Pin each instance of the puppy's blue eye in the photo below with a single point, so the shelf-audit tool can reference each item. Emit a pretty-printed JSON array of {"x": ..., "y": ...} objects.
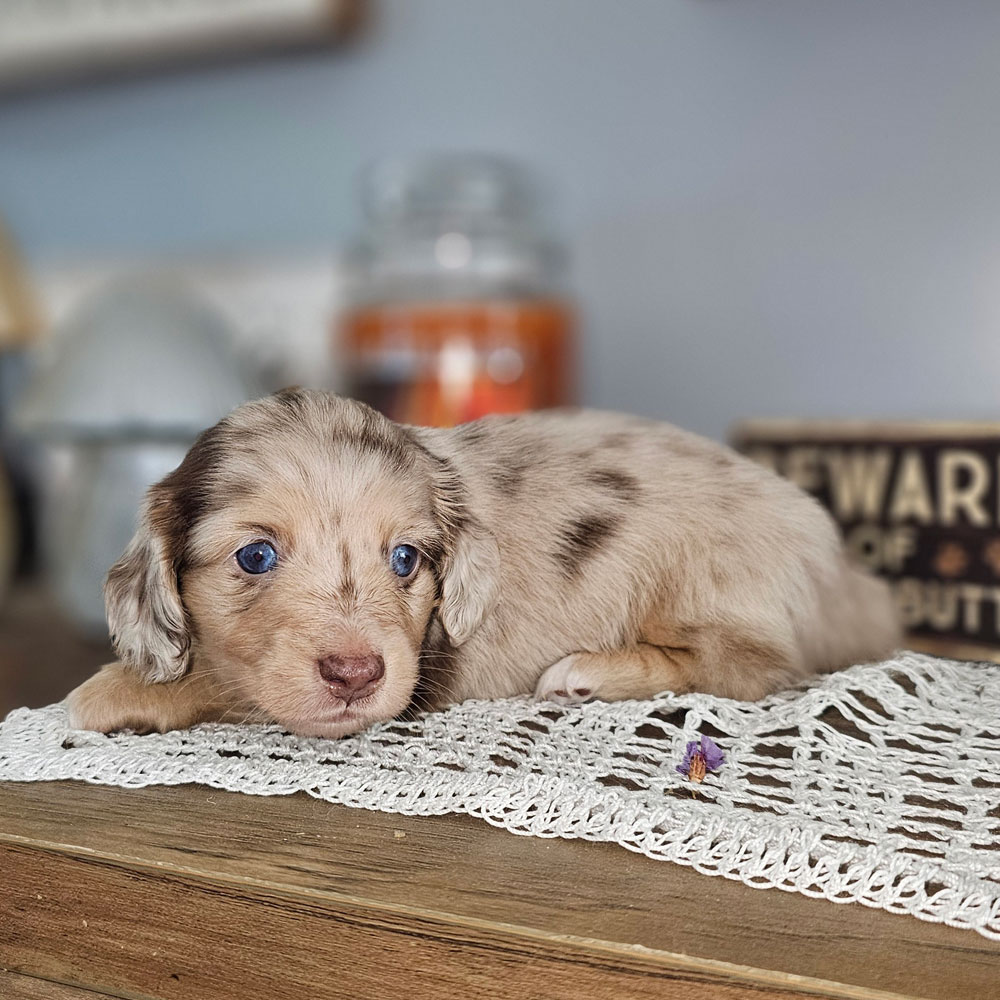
[
  {"x": 404, "y": 560},
  {"x": 257, "y": 557}
]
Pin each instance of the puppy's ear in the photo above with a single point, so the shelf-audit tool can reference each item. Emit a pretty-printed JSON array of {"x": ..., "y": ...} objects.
[
  {"x": 470, "y": 585},
  {"x": 470, "y": 572},
  {"x": 145, "y": 614}
]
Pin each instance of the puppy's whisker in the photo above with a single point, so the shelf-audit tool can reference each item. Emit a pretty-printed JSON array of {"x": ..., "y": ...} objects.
[
  {"x": 429, "y": 683},
  {"x": 434, "y": 654},
  {"x": 229, "y": 695}
]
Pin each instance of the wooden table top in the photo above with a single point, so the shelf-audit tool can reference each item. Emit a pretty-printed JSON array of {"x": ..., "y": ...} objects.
[
  {"x": 188, "y": 892},
  {"x": 192, "y": 894}
]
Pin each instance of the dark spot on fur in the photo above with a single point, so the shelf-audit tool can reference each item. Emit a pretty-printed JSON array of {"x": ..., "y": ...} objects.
[
  {"x": 450, "y": 494},
  {"x": 727, "y": 505},
  {"x": 616, "y": 439},
  {"x": 348, "y": 585},
  {"x": 293, "y": 400},
  {"x": 433, "y": 552},
  {"x": 509, "y": 478},
  {"x": 243, "y": 605},
  {"x": 684, "y": 446},
  {"x": 235, "y": 489},
  {"x": 581, "y": 539},
  {"x": 358, "y": 426},
  {"x": 507, "y": 481},
  {"x": 185, "y": 496},
  {"x": 472, "y": 433},
  {"x": 619, "y": 484},
  {"x": 393, "y": 451}
]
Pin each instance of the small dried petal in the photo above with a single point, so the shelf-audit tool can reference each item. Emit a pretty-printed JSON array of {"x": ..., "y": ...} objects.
[
  {"x": 696, "y": 772},
  {"x": 714, "y": 757}
]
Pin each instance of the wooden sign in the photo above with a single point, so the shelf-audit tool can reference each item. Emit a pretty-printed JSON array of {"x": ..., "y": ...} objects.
[{"x": 918, "y": 503}]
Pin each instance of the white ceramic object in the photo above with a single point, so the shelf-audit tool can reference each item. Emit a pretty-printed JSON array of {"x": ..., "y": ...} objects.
[
  {"x": 143, "y": 356},
  {"x": 132, "y": 378}
]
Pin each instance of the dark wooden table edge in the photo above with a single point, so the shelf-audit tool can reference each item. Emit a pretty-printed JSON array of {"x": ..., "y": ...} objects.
[
  {"x": 766, "y": 977},
  {"x": 722, "y": 972}
]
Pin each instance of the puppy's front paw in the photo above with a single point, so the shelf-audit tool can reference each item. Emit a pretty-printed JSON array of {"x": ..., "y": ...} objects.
[
  {"x": 114, "y": 699},
  {"x": 566, "y": 682}
]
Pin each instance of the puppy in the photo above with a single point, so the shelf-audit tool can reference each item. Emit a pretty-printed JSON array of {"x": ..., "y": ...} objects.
[{"x": 313, "y": 564}]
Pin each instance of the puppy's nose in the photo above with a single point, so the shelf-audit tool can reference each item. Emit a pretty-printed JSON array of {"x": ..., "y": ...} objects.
[{"x": 351, "y": 677}]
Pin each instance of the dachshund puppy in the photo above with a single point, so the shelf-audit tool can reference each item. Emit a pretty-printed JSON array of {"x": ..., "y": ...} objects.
[{"x": 313, "y": 564}]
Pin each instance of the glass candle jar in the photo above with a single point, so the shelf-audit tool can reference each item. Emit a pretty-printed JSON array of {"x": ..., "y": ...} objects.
[{"x": 456, "y": 294}]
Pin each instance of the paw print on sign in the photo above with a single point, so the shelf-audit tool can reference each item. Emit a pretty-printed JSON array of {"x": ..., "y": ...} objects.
[
  {"x": 991, "y": 555},
  {"x": 951, "y": 559}
]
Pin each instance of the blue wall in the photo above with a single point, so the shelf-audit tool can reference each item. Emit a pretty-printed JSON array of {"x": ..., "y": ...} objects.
[{"x": 777, "y": 206}]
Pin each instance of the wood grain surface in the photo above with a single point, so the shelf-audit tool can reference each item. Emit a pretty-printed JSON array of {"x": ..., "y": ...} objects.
[
  {"x": 15, "y": 987},
  {"x": 187, "y": 892}
]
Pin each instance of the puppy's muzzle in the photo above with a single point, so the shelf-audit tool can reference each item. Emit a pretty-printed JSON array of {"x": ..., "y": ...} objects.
[{"x": 351, "y": 677}]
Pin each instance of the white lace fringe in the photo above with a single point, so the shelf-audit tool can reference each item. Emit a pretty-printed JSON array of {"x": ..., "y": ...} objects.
[{"x": 878, "y": 785}]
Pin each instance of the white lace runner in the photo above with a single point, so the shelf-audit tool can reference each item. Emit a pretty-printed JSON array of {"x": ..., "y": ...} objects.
[{"x": 878, "y": 785}]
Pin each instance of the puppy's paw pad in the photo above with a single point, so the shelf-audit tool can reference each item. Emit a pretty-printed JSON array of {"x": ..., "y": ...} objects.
[{"x": 564, "y": 683}]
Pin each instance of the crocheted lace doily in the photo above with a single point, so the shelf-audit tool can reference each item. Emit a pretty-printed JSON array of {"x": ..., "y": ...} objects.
[{"x": 878, "y": 785}]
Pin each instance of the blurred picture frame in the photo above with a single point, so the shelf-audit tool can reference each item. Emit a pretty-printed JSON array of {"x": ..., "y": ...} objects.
[{"x": 61, "y": 41}]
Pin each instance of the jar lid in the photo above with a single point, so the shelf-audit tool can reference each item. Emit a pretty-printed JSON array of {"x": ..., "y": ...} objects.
[
  {"x": 449, "y": 184},
  {"x": 450, "y": 227}
]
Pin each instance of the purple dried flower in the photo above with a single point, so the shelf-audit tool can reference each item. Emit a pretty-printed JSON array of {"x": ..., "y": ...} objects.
[{"x": 700, "y": 758}]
